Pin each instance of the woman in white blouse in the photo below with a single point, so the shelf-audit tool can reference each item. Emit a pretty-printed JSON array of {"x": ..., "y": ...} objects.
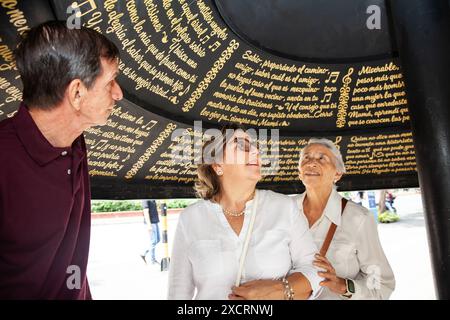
[
  {"x": 211, "y": 234},
  {"x": 355, "y": 266}
]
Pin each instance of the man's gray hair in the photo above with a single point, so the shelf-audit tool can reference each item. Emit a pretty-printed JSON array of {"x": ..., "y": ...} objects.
[{"x": 338, "y": 161}]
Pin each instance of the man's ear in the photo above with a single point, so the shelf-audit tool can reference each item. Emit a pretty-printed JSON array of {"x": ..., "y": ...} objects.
[{"x": 75, "y": 92}]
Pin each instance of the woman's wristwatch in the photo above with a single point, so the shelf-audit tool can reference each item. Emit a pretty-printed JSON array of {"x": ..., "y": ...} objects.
[{"x": 350, "y": 285}]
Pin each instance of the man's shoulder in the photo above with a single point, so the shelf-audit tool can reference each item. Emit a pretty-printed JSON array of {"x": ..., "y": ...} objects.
[
  {"x": 9, "y": 144},
  {"x": 6, "y": 126},
  {"x": 8, "y": 136}
]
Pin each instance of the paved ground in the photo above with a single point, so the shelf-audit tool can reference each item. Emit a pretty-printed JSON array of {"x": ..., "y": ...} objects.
[{"x": 116, "y": 271}]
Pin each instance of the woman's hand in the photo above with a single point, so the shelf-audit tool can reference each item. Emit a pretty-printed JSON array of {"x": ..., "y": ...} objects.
[
  {"x": 332, "y": 281},
  {"x": 258, "y": 290}
]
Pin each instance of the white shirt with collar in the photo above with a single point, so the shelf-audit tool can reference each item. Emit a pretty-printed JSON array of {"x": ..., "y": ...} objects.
[
  {"x": 355, "y": 251},
  {"x": 206, "y": 250}
]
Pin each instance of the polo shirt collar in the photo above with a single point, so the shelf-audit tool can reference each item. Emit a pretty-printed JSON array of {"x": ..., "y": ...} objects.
[
  {"x": 332, "y": 209},
  {"x": 36, "y": 145}
]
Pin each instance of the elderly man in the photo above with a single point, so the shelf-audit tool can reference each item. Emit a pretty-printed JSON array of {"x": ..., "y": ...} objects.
[{"x": 69, "y": 85}]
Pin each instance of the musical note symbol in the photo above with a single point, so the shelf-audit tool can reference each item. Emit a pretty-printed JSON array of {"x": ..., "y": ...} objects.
[
  {"x": 204, "y": 39},
  {"x": 184, "y": 91},
  {"x": 326, "y": 97},
  {"x": 100, "y": 144},
  {"x": 149, "y": 125},
  {"x": 164, "y": 39},
  {"x": 76, "y": 5},
  {"x": 214, "y": 46},
  {"x": 333, "y": 77}
]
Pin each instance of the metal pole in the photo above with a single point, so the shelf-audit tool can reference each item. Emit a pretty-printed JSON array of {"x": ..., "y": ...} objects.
[
  {"x": 166, "y": 260},
  {"x": 423, "y": 39}
]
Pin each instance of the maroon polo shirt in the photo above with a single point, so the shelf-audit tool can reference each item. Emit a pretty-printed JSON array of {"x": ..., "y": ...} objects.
[{"x": 44, "y": 214}]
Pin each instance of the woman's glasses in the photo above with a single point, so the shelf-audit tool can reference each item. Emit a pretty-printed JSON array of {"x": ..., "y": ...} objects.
[{"x": 246, "y": 145}]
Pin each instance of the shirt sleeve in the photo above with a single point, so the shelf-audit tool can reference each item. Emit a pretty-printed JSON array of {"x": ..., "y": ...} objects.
[
  {"x": 303, "y": 249},
  {"x": 375, "y": 279},
  {"x": 181, "y": 282}
]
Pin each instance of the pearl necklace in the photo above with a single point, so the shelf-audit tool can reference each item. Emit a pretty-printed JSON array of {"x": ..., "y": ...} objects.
[
  {"x": 236, "y": 214},
  {"x": 229, "y": 213}
]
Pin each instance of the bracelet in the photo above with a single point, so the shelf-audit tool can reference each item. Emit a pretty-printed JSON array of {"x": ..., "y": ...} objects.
[{"x": 288, "y": 291}]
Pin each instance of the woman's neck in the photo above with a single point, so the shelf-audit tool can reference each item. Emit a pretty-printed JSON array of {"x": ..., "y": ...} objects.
[
  {"x": 315, "y": 201},
  {"x": 234, "y": 199},
  {"x": 58, "y": 126}
]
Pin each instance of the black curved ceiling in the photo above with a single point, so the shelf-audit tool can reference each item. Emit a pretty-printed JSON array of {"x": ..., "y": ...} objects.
[
  {"x": 311, "y": 30},
  {"x": 304, "y": 67}
]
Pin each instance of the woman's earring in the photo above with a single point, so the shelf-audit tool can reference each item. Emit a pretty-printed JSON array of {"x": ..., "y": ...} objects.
[{"x": 220, "y": 172}]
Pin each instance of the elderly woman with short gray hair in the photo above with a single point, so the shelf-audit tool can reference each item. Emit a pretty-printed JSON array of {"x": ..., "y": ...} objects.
[{"x": 351, "y": 259}]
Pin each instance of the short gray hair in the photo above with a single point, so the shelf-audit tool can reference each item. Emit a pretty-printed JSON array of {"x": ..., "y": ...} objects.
[
  {"x": 338, "y": 161},
  {"x": 51, "y": 55}
]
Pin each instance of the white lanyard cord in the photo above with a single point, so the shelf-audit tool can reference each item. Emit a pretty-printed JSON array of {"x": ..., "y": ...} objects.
[{"x": 247, "y": 240}]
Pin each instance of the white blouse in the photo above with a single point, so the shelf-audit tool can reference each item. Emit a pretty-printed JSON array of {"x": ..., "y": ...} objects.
[
  {"x": 355, "y": 251},
  {"x": 206, "y": 250}
]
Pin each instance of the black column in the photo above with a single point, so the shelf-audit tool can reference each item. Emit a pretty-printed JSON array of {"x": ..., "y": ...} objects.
[{"x": 422, "y": 31}]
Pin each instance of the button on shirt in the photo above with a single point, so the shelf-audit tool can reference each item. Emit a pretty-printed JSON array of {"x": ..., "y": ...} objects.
[
  {"x": 355, "y": 251},
  {"x": 206, "y": 250},
  {"x": 44, "y": 214}
]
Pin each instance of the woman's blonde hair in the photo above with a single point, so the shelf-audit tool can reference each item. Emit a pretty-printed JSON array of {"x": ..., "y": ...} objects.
[{"x": 208, "y": 184}]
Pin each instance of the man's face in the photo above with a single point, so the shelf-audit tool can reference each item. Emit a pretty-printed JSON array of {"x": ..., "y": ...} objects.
[{"x": 100, "y": 99}]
